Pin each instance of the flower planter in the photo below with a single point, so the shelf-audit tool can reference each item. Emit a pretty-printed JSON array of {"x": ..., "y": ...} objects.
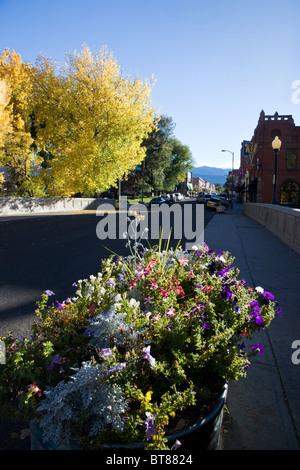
[
  {"x": 148, "y": 338},
  {"x": 204, "y": 435}
]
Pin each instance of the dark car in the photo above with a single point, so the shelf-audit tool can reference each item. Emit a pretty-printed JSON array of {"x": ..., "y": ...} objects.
[
  {"x": 213, "y": 203},
  {"x": 200, "y": 198},
  {"x": 157, "y": 200}
]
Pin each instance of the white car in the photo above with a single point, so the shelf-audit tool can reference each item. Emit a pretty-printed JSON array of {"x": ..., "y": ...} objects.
[{"x": 179, "y": 196}]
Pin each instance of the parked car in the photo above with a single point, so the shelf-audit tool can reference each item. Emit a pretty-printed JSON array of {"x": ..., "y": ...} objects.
[
  {"x": 200, "y": 198},
  {"x": 225, "y": 201},
  {"x": 168, "y": 199},
  {"x": 157, "y": 200},
  {"x": 215, "y": 202},
  {"x": 179, "y": 196},
  {"x": 207, "y": 197}
]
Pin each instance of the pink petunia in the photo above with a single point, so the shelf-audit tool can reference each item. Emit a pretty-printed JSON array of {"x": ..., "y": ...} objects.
[
  {"x": 33, "y": 388},
  {"x": 170, "y": 312},
  {"x": 153, "y": 284}
]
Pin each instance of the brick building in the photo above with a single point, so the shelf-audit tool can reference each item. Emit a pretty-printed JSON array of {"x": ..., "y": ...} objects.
[{"x": 258, "y": 161}]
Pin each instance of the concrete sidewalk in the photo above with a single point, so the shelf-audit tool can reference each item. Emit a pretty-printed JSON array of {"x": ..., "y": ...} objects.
[{"x": 264, "y": 408}]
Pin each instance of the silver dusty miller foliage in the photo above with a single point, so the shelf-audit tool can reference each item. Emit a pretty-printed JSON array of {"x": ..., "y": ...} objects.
[{"x": 87, "y": 390}]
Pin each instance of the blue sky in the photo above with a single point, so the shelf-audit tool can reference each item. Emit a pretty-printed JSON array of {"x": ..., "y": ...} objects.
[{"x": 217, "y": 63}]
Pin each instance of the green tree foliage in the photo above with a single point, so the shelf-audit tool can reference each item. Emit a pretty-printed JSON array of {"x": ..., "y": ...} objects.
[
  {"x": 167, "y": 159},
  {"x": 229, "y": 183}
]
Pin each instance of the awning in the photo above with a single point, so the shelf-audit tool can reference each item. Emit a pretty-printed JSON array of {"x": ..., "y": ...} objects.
[
  {"x": 190, "y": 186},
  {"x": 248, "y": 186}
]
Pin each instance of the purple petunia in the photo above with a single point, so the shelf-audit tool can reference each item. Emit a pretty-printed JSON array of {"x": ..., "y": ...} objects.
[
  {"x": 49, "y": 292},
  {"x": 116, "y": 368},
  {"x": 106, "y": 352},
  {"x": 255, "y": 314},
  {"x": 176, "y": 445},
  {"x": 88, "y": 332},
  {"x": 150, "y": 426},
  {"x": 56, "y": 364},
  {"x": 148, "y": 356},
  {"x": 226, "y": 293},
  {"x": 258, "y": 348},
  {"x": 237, "y": 309}
]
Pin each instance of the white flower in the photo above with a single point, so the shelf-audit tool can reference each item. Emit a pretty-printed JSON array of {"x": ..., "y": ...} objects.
[{"x": 259, "y": 289}]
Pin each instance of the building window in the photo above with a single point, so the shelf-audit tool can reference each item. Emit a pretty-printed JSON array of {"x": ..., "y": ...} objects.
[
  {"x": 291, "y": 159},
  {"x": 290, "y": 193}
]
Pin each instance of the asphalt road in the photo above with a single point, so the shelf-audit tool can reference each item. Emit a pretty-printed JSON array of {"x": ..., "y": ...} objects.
[{"x": 49, "y": 252}]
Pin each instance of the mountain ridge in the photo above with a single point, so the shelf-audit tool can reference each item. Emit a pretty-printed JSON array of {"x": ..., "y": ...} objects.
[{"x": 210, "y": 173}]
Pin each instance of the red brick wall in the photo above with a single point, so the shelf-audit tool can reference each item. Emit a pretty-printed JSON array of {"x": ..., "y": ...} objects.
[{"x": 267, "y": 128}]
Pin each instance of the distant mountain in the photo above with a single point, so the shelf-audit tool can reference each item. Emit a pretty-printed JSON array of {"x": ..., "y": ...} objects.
[{"x": 211, "y": 174}]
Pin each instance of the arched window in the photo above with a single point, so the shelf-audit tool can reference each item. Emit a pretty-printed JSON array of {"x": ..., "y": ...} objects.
[{"x": 290, "y": 193}]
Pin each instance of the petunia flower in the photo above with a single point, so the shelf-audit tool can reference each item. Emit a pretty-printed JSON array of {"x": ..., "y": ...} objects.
[
  {"x": 33, "y": 388},
  {"x": 150, "y": 426},
  {"x": 226, "y": 293},
  {"x": 142, "y": 274},
  {"x": 267, "y": 296},
  {"x": 259, "y": 289},
  {"x": 183, "y": 261},
  {"x": 156, "y": 317},
  {"x": 153, "y": 284},
  {"x": 88, "y": 332},
  {"x": 110, "y": 283},
  {"x": 148, "y": 300},
  {"x": 148, "y": 356},
  {"x": 106, "y": 352},
  {"x": 56, "y": 363},
  {"x": 258, "y": 348},
  {"x": 116, "y": 368},
  {"x": 170, "y": 312},
  {"x": 49, "y": 292},
  {"x": 163, "y": 292},
  {"x": 176, "y": 445}
]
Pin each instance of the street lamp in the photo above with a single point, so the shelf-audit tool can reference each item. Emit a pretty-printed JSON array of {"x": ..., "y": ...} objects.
[
  {"x": 276, "y": 144},
  {"x": 232, "y": 153}
]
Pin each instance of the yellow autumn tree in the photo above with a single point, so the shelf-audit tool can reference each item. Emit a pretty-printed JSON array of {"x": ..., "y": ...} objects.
[
  {"x": 5, "y": 112},
  {"x": 90, "y": 120},
  {"x": 16, "y": 152}
]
